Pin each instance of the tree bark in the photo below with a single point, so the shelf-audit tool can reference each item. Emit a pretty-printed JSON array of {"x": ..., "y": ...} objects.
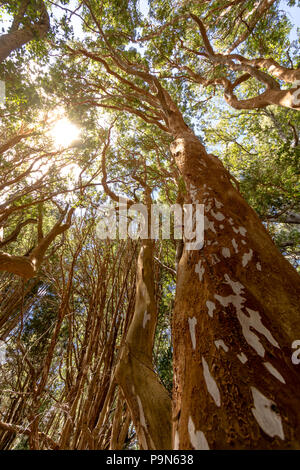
[
  {"x": 236, "y": 317},
  {"x": 17, "y": 38},
  {"x": 27, "y": 266},
  {"x": 147, "y": 398},
  {"x": 272, "y": 95}
]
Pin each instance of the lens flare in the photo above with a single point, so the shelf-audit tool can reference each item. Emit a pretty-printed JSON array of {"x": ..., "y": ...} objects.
[{"x": 64, "y": 133}]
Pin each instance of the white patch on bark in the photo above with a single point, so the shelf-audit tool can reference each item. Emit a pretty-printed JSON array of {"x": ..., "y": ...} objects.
[
  {"x": 192, "y": 325},
  {"x": 247, "y": 257},
  {"x": 211, "y": 306},
  {"x": 247, "y": 322},
  {"x": 264, "y": 412},
  {"x": 176, "y": 441},
  {"x": 237, "y": 287},
  {"x": 146, "y": 318},
  {"x": 200, "y": 270},
  {"x": 240, "y": 230},
  {"x": 254, "y": 322},
  {"x": 226, "y": 252},
  {"x": 220, "y": 344},
  {"x": 235, "y": 245},
  {"x": 208, "y": 206},
  {"x": 236, "y": 300},
  {"x": 243, "y": 242},
  {"x": 211, "y": 383},
  {"x": 274, "y": 372},
  {"x": 258, "y": 266},
  {"x": 208, "y": 224},
  {"x": 214, "y": 259},
  {"x": 221, "y": 226},
  {"x": 142, "y": 416},
  {"x": 193, "y": 193},
  {"x": 218, "y": 216},
  {"x": 197, "y": 438},
  {"x": 242, "y": 357},
  {"x": 218, "y": 204}
]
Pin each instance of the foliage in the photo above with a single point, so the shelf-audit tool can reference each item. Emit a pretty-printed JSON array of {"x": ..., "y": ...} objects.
[{"x": 65, "y": 326}]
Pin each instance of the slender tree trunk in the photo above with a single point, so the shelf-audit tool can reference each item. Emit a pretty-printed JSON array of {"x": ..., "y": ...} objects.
[
  {"x": 236, "y": 317},
  {"x": 120, "y": 425},
  {"x": 148, "y": 400}
]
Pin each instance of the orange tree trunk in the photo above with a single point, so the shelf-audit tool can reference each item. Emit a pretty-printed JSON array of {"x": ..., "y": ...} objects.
[
  {"x": 147, "y": 398},
  {"x": 236, "y": 317}
]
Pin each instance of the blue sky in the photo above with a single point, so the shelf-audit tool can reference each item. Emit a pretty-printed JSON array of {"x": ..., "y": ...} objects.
[
  {"x": 293, "y": 12},
  {"x": 294, "y": 16},
  {"x": 144, "y": 7}
]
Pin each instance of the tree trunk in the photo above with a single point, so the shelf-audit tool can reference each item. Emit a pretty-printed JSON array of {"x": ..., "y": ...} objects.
[
  {"x": 236, "y": 317},
  {"x": 147, "y": 398},
  {"x": 17, "y": 38}
]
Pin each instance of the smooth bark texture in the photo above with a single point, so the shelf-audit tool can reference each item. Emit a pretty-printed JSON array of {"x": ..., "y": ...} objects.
[
  {"x": 27, "y": 266},
  {"x": 261, "y": 69},
  {"x": 17, "y": 38},
  {"x": 147, "y": 398},
  {"x": 236, "y": 317}
]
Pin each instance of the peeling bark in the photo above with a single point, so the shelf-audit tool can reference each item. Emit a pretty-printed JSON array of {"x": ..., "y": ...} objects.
[{"x": 242, "y": 395}]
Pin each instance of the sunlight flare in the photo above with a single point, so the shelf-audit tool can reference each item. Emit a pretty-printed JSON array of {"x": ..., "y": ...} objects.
[{"x": 64, "y": 133}]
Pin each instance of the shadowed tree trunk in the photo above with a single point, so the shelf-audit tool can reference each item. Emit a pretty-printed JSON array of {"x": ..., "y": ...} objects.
[{"x": 147, "y": 398}]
